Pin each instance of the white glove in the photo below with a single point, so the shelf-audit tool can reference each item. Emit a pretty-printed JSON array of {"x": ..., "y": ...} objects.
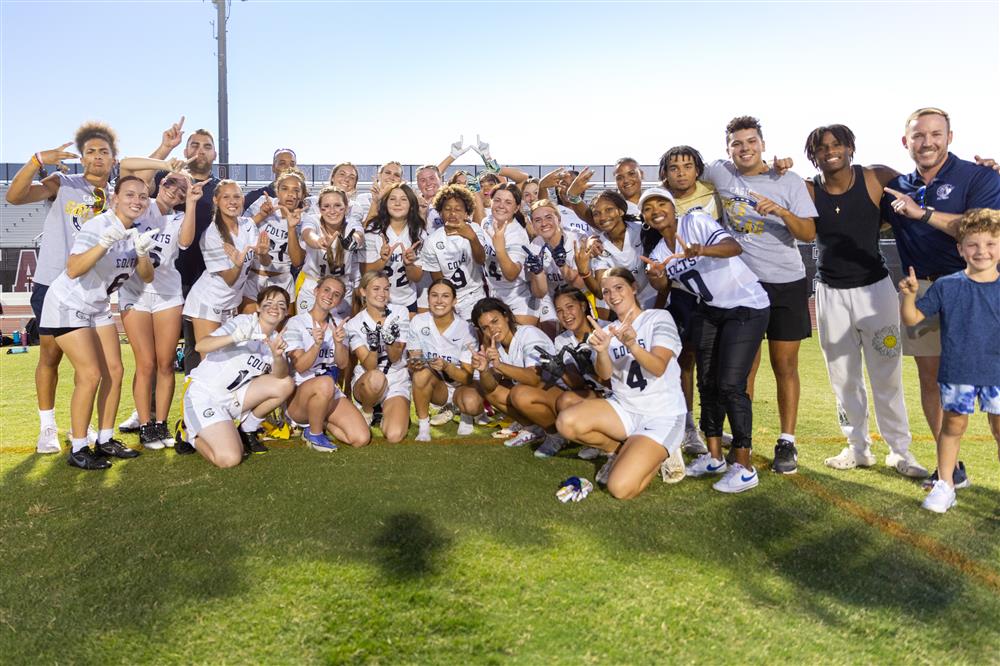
[
  {"x": 457, "y": 149},
  {"x": 144, "y": 241},
  {"x": 482, "y": 148},
  {"x": 112, "y": 235},
  {"x": 248, "y": 329}
]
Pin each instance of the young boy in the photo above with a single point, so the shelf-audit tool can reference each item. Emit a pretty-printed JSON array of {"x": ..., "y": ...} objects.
[{"x": 969, "y": 305}]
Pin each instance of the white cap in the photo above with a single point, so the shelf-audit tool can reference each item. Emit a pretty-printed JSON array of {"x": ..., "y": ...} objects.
[{"x": 656, "y": 192}]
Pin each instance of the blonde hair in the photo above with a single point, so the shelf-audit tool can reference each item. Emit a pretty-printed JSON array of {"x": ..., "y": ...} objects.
[
  {"x": 978, "y": 220},
  {"x": 546, "y": 203},
  {"x": 928, "y": 111},
  {"x": 358, "y": 300}
]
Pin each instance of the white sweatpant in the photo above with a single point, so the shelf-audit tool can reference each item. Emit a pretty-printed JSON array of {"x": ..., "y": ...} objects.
[{"x": 852, "y": 320}]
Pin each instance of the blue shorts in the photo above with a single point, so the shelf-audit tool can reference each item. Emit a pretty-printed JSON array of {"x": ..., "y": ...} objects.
[
  {"x": 38, "y": 299},
  {"x": 961, "y": 398}
]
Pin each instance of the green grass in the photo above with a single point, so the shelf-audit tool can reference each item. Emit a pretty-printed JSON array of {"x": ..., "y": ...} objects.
[{"x": 459, "y": 552}]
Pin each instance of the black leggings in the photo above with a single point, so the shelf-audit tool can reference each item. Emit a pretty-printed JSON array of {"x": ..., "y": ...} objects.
[{"x": 728, "y": 340}]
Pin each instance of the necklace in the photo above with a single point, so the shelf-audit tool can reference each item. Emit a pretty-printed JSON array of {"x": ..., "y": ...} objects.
[{"x": 849, "y": 186}]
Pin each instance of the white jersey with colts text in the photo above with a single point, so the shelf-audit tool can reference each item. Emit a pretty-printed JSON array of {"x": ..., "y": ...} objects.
[
  {"x": 635, "y": 388},
  {"x": 166, "y": 278},
  {"x": 401, "y": 290},
  {"x": 298, "y": 335},
  {"x": 230, "y": 368},
  {"x": 451, "y": 255}
]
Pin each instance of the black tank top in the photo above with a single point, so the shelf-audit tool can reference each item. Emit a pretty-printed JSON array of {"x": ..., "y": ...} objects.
[{"x": 847, "y": 236}]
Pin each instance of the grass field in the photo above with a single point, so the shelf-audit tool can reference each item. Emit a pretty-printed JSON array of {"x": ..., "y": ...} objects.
[{"x": 458, "y": 552}]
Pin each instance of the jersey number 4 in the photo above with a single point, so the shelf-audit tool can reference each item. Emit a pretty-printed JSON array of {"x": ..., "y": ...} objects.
[{"x": 635, "y": 378}]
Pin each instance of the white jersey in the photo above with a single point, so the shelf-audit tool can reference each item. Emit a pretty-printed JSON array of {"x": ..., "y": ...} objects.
[
  {"x": 73, "y": 206},
  {"x": 362, "y": 331},
  {"x": 522, "y": 351},
  {"x": 451, "y": 255},
  {"x": 434, "y": 221},
  {"x": 401, "y": 290},
  {"x": 276, "y": 227},
  {"x": 353, "y": 218},
  {"x": 587, "y": 373},
  {"x": 572, "y": 222},
  {"x": 721, "y": 283},
  {"x": 566, "y": 248},
  {"x": 91, "y": 292},
  {"x": 635, "y": 388},
  {"x": 452, "y": 345},
  {"x": 166, "y": 278},
  {"x": 319, "y": 263},
  {"x": 233, "y": 366},
  {"x": 211, "y": 293},
  {"x": 298, "y": 335},
  {"x": 627, "y": 257},
  {"x": 515, "y": 240}
]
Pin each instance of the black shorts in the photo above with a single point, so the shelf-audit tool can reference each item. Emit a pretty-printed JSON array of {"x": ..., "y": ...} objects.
[
  {"x": 682, "y": 307},
  {"x": 38, "y": 292},
  {"x": 789, "y": 310},
  {"x": 56, "y": 332}
]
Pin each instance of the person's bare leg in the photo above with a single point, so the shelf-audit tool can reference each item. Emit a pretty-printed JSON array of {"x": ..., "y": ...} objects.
[{"x": 930, "y": 394}]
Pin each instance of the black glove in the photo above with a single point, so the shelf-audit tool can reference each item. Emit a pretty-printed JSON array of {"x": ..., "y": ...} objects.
[
  {"x": 550, "y": 366},
  {"x": 559, "y": 253},
  {"x": 373, "y": 337},
  {"x": 582, "y": 356},
  {"x": 533, "y": 262}
]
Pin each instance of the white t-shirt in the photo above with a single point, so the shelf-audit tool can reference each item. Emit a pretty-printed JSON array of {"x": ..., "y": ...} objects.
[
  {"x": 515, "y": 240},
  {"x": 635, "y": 388},
  {"x": 65, "y": 216},
  {"x": 452, "y": 345},
  {"x": 91, "y": 292},
  {"x": 231, "y": 367},
  {"x": 166, "y": 278},
  {"x": 769, "y": 249},
  {"x": 626, "y": 257},
  {"x": 721, "y": 283},
  {"x": 298, "y": 335},
  {"x": 451, "y": 255},
  {"x": 401, "y": 290},
  {"x": 362, "y": 331}
]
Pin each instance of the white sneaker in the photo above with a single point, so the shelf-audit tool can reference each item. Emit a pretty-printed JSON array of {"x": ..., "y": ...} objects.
[
  {"x": 423, "y": 435},
  {"x": 693, "y": 444},
  {"x": 91, "y": 434},
  {"x": 588, "y": 453},
  {"x": 444, "y": 416},
  {"x": 672, "y": 469},
  {"x": 552, "y": 445},
  {"x": 850, "y": 458},
  {"x": 48, "y": 440},
  {"x": 525, "y": 436},
  {"x": 941, "y": 498},
  {"x": 131, "y": 424},
  {"x": 465, "y": 428},
  {"x": 505, "y": 433},
  {"x": 906, "y": 465},
  {"x": 605, "y": 471},
  {"x": 705, "y": 464},
  {"x": 737, "y": 479}
]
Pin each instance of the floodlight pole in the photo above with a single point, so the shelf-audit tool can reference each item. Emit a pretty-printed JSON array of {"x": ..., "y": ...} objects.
[{"x": 220, "y": 28}]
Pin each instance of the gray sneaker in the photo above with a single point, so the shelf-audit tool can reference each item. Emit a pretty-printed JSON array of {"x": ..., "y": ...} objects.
[{"x": 552, "y": 445}]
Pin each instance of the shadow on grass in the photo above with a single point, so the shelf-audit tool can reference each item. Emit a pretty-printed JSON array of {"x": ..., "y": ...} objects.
[{"x": 409, "y": 546}]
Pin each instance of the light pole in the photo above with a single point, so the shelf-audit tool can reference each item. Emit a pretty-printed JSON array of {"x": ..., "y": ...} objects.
[{"x": 220, "y": 33}]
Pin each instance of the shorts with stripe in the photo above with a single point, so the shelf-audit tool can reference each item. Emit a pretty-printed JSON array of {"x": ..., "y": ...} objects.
[
  {"x": 206, "y": 405},
  {"x": 667, "y": 431}
]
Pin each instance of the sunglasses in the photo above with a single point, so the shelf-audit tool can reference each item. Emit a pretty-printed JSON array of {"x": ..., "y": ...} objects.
[
  {"x": 100, "y": 200},
  {"x": 176, "y": 183},
  {"x": 920, "y": 195}
]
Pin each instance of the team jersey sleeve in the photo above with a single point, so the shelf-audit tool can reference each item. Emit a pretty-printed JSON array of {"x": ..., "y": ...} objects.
[
  {"x": 296, "y": 336},
  {"x": 428, "y": 260},
  {"x": 702, "y": 229},
  {"x": 930, "y": 303},
  {"x": 531, "y": 354},
  {"x": 212, "y": 252},
  {"x": 515, "y": 240},
  {"x": 373, "y": 247},
  {"x": 664, "y": 333},
  {"x": 355, "y": 338},
  {"x": 88, "y": 235},
  {"x": 229, "y": 326},
  {"x": 308, "y": 222},
  {"x": 984, "y": 191}
]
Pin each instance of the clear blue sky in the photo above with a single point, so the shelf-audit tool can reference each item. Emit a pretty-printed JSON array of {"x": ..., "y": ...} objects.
[{"x": 545, "y": 83}]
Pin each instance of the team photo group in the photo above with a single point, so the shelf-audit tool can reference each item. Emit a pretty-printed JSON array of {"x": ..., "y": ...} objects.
[{"x": 626, "y": 323}]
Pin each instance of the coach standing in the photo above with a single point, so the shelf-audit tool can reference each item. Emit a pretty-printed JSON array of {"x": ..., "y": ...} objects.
[{"x": 923, "y": 208}]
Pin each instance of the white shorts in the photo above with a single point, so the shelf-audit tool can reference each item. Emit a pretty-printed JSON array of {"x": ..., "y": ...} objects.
[
  {"x": 54, "y": 316},
  {"x": 542, "y": 308},
  {"x": 668, "y": 431},
  {"x": 306, "y": 298},
  {"x": 206, "y": 405},
  {"x": 519, "y": 303},
  {"x": 398, "y": 386},
  {"x": 148, "y": 302},
  {"x": 256, "y": 282}
]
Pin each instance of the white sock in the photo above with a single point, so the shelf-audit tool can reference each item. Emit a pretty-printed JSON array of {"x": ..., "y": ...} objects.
[
  {"x": 47, "y": 418},
  {"x": 424, "y": 424},
  {"x": 104, "y": 435},
  {"x": 785, "y": 435},
  {"x": 251, "y": 422},
  {"x": 689, "y": 422},
  {"x": 79, "y": 444}
]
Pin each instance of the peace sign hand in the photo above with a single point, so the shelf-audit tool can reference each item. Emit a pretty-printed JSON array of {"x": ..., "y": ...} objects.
[
  {"x": 599, "y": 339},
  {"x": 195, "y": 193},
  {"x": 492, "y": 354},
  {"x": 656, "y": 269},
  {"x": 340, "y": 332},
  {"x": 580, "y": 183},
  {"x": 292, "y": 216},
  {"x": 236, "y": 257},
  {"x": 277, "y": 344},
  {"x": 623, "y": 329},
  {"x": 57, "y": 155},
  {"x": 318, "y": 332},
  {"x": 909, "y": 285},
  {"x": 410, "y": 254},
  {"x": 266, "y": 206},
  {"x": 500, "y": 234},
  {"x": 458, "y": 149}
]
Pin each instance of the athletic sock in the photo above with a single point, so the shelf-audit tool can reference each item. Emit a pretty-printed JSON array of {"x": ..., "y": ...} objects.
[
  {"x": 465, "y": 418},
  {"x": 785, "y": 435},
  {"x": 46, "y": 418},
  {"x": 424, "y": 423},
  {"x": 689, "y": 422},
  {"x": 79, "y": 444},
  {"x": 251, "y": 422},
  {"x": 104, "y": 435}
]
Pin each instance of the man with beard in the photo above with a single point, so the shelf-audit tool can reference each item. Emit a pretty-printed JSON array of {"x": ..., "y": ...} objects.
[{"x": 856, "y": 302}]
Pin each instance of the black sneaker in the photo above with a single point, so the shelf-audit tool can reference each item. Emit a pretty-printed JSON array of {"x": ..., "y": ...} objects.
[
  {"x": 182, "y": 447},
  {"x": 164, "y": 434},
  {"x": 786, "y": 458},
  {"x": 114, "y": 448},
  {"x": 250, "y": 442},
  {"x": 85, "y": 459},
  {"x": 959, "y": 476},
  {"x": 149, "y": 436}
]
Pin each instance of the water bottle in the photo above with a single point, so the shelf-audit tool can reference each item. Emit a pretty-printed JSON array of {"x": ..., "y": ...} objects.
[
  {"x": 16, "y": 335},
  {"x": 24, "y": 337}
]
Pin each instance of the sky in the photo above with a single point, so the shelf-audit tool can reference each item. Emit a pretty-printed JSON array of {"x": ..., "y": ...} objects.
[{"x": 543, "y": 83}]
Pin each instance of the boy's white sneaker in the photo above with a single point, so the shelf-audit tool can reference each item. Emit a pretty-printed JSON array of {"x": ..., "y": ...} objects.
[
  {"x": 705, "y": 464},
  {"x": 693, "y": 444},
  {"x": 941, "y": 498},
  {"x": 737, "y": 479},
  {"x": 906, "y": 465},
  {"x": 850, "y": 458},
  {"x": 48, "y": 440},
  {"x": 465, "y": 428},
  {"x": 552, "y": 445}
]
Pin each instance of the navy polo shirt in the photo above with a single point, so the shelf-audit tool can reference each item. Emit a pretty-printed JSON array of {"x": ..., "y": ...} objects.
[{"x": 959, "y": 186}]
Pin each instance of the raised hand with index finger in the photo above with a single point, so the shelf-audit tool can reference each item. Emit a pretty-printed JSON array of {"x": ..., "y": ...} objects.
[
  {"x": 172, "y": 135},
  {"x": 909, "y": 285},
  {"x": 599, "y": 338}
]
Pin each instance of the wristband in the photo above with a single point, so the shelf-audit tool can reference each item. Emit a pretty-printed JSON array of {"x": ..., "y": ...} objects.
[
  {"x": 574, "y": 199},
  {"x": 927, "y": 215},
  {"x": 492, "y": 165},
  {"x": 38, "y": 161}
]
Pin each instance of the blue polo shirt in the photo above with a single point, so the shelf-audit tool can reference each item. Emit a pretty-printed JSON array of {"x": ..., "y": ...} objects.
[{"x": 958, "y": 187}]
